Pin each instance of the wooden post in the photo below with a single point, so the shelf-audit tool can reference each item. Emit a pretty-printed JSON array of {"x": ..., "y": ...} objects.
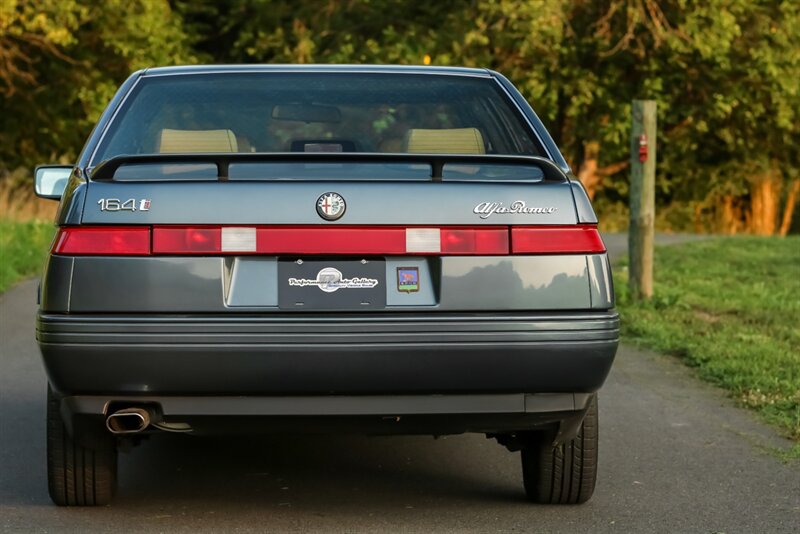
[{"x": 643, "y": 199}]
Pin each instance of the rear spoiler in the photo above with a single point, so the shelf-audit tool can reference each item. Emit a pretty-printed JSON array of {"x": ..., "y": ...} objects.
[{"x": 106, "y": 170}]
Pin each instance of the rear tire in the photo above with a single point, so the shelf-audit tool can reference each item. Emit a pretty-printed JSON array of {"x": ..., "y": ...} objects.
[
  {"x": 81, "y": 470},
  {"x": 566, "y": 473}
]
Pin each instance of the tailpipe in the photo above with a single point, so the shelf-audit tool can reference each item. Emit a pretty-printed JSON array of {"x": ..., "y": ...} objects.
[{"x": 128, "y": 421}]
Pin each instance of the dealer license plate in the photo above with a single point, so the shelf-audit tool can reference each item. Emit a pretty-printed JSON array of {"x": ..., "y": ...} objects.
[{"x": 331, "y": 285}]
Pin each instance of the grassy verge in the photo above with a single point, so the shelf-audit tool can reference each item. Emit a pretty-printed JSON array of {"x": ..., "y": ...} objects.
[
  {"x": 729, "y": 307},
  {"x": 23, "y": 246}
]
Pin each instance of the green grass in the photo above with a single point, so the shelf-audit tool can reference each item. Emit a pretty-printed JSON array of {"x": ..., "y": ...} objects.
[
  {"x": 23, "y": 246},
  {"x": 729, "y": 307}
]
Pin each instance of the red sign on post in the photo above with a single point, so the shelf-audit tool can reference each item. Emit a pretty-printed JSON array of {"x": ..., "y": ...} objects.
[{"x": 643, "y": 148}]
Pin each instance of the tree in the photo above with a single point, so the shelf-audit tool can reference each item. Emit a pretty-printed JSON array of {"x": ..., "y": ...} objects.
[
  {"x": 62, "y": 60},
  {"x": 724, "y": 73}
]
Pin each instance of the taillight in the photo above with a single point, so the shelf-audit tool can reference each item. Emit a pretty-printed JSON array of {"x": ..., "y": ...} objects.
[
  {"x": 483, "y": 241},
  {"x": 457, "y": 241},
  {"x": 346, "y": 240},
  {"x": 102, "y": 241},
  {"x": 374, "y": 240},
  {"x": 556, "y": 240},
  {"x": 187, "y": 240}
]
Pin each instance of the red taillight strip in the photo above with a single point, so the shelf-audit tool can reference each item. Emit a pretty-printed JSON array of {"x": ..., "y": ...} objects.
[
  {"x": 581, "y": 239},
  {"x": 468, "y": 241},
  {"x": 302, "y": 240},
  {"x": 369, "y": 240},
  {"x": 373, "y": 240},
  {"x": 103, "y": 241},
  {"x": 187, "y": 240}
]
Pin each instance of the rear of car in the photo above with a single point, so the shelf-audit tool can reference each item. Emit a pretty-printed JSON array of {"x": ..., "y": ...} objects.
[{"x": 380, "y": 250}]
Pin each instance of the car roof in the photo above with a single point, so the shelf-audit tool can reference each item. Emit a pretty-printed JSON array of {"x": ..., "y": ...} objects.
[{"x": 399, "y": 69}]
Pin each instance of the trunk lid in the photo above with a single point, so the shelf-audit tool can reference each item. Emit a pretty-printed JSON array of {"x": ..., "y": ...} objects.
[
  {"x": 367, "y": 203},
  {"x": 250, "y": 245}
]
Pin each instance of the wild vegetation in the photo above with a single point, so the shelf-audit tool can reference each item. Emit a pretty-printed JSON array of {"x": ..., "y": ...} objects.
[
  {"x": 23, "y": 246},
  {"x": 729, "y": 307},
  {"x": 724, "y": 73}
]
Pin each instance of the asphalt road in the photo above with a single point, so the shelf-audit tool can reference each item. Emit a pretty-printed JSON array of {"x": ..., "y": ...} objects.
[
  {"x": 617, "y": 244},
  {"x": 675, "y": 456}
]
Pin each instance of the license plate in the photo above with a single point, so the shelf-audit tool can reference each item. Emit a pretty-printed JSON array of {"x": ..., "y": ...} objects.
[{"x": 331, "y": 285}]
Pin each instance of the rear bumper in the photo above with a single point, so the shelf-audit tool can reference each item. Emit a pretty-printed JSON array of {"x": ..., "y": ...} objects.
[
  {"x": 375, "y": 354},
  {"x": 373, "y": 414}
]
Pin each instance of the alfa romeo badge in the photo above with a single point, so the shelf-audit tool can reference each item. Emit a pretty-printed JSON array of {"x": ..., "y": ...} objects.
[{"x": 331, "y": 206}]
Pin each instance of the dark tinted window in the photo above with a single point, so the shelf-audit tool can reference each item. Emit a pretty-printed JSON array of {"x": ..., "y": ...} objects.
[{"x": 301, "y": 112}]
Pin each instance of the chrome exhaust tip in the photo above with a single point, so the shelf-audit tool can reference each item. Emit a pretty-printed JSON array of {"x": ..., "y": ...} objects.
[{"x": 128, "y": 421}]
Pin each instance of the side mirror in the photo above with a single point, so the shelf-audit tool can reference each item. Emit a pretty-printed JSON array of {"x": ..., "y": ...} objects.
[{"x": 51, "y": 180}]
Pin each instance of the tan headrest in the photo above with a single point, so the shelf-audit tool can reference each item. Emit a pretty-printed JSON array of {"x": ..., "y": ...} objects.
[
  {"x": 189, "y": 141},
  {"x": 445, "y": 141}
]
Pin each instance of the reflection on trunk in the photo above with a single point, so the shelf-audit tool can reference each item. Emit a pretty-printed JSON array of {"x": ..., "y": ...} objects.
[{"x": 534, "y": 283}]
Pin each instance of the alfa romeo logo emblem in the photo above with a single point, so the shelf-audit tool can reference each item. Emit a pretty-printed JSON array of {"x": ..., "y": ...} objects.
[{"x": 331, "y": 206}]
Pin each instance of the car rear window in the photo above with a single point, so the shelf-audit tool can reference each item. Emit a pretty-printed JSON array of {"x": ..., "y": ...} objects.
[{"x": 316, "y": 112}]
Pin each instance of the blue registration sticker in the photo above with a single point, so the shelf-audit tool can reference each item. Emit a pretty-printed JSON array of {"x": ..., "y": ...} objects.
[{"x": 408, "y": 279}]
